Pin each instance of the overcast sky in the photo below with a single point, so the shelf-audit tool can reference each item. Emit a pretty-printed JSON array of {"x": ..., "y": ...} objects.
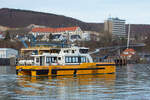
[{"x": 133, "y": 11}]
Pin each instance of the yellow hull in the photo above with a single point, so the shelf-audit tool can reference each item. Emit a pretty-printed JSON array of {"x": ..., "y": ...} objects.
[{"x": 85, "y": 68}]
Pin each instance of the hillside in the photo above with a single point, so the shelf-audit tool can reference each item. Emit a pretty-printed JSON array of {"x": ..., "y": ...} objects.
[
  {"x": 22, "y": 18},
  {"x": 16, "y": 18}
]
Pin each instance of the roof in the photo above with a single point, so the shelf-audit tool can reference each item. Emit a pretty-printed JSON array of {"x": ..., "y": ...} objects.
[
  {"x": 129, "y": 50},
  {"x": 7, "y": 49},
  {"x": 54, "y": 29}
]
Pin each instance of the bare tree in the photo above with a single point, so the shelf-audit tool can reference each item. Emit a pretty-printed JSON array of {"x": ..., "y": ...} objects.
[{"x": 7, "y": 36}]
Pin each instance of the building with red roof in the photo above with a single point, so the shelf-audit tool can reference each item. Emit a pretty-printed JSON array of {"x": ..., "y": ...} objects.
[
  {"x": 64, "y": 31},
  {"x": 128, "y": 53},
  {"x": 71, "y": 30}
]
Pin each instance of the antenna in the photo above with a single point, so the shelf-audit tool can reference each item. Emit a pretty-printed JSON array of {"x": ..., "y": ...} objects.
[
  {"x": 109, "y": 16},
  {"x": 128, "y": 36}
]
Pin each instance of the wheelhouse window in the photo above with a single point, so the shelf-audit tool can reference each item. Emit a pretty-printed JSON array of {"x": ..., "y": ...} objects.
[
  {"x": 83, "y": 50},
  {"x": 54, "y": 51},
  {"x": 66, "y": 51},
  {"x": 73, "y": 51}
]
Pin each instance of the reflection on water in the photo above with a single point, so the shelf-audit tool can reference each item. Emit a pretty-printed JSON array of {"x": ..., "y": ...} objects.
[
  {"x": 129, "y": 83},
  {"x": 65, "y": 87}
]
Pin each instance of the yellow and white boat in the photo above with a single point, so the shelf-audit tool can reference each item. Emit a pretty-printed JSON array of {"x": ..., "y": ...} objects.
[{"x": 63, "y": 61}]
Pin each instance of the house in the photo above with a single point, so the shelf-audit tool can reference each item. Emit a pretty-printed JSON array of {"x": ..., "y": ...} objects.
[
  {"x": 66, "y": 32},
  {"x": 128, "y": 53}
]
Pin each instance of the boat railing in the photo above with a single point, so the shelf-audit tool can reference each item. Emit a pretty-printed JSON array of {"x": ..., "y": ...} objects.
[
  {"x": 25, "y": 62},
  {"x": 99, "y": 59}
]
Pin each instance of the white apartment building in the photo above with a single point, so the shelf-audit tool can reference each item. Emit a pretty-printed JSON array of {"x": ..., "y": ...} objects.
[{"x": 116, "y": 27}]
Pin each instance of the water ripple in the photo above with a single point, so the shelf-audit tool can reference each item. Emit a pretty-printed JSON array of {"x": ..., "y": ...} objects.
[{"x": 130, "y": 82}]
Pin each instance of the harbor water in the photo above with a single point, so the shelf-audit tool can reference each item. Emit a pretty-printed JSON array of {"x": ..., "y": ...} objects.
[{"x": 131, "y": 82}]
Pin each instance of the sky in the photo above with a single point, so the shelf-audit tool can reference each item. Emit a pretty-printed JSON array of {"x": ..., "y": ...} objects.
[{"x": 133, "y": 11}]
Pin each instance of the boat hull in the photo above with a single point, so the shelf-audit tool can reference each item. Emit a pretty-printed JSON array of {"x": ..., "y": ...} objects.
[{"x": 82, "y": 69}]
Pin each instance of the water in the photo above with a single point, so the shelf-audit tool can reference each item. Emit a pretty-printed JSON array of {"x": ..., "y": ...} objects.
[{"x": 130, "y": 82}]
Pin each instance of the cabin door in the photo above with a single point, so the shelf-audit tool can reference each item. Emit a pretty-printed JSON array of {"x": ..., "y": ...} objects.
[{"x": 40, "y": 61}]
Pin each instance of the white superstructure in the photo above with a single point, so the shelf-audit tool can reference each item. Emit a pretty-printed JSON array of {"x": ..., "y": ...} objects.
[{"x": 63, "y": 56}]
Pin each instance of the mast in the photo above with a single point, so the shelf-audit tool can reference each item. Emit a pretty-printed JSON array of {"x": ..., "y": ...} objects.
[{"x": 128, "y": 36}]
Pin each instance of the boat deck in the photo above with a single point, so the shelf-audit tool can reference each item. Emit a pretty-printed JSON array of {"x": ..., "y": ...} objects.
[{"x": 54, "y": 70}]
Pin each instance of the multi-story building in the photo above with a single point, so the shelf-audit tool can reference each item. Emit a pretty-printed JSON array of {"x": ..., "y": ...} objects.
[
  {"x": 71, "y": 32},
  {"x": 116, "y": 27}
]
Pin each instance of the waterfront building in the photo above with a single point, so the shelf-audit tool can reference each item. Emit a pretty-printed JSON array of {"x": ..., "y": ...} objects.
[
  {"x": 8, "y": 53},
  {"x": 128, "y": 53},
  {"x": 60, "y": 32},
  {"x": 116, "y": 27}
]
